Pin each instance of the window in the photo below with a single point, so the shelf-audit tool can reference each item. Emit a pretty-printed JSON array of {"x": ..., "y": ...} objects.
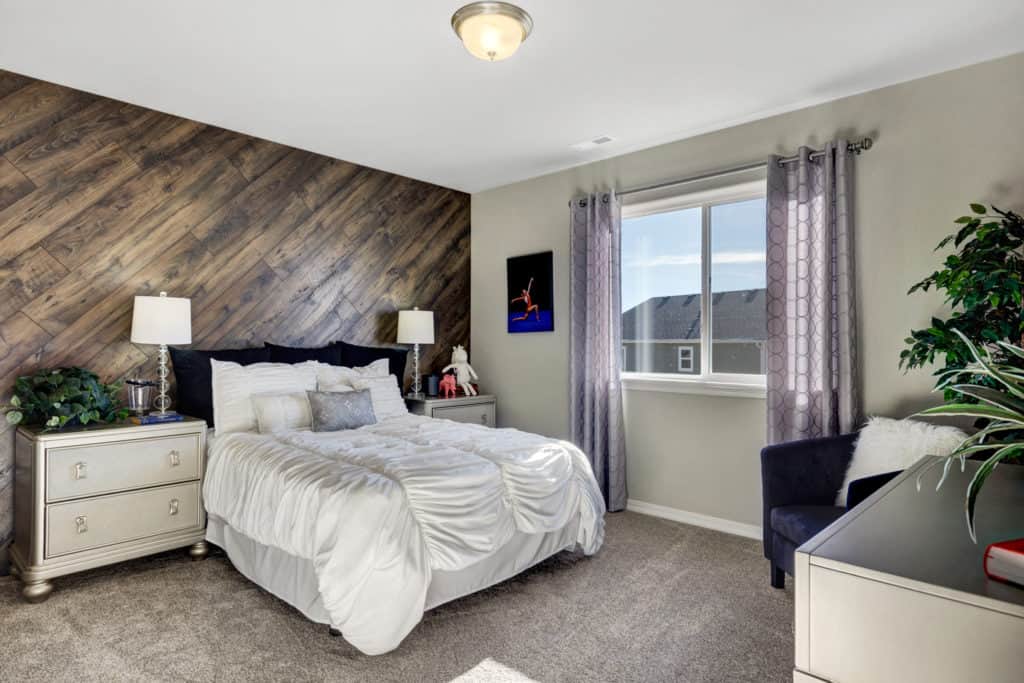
[
  {"x": 693, "y": 287},
  {"x": 685, "y": 358}
]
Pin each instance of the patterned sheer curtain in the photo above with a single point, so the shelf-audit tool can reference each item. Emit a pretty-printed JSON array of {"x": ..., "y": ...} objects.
[
  {"x": 595, "y": 340},
  {"x": 812, "y": 355}
]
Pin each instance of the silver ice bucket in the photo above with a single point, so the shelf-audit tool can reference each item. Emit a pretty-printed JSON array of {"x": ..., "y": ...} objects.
[{"x": 140, "y": 395}]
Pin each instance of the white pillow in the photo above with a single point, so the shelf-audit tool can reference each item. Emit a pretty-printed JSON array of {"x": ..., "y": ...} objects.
[
  {"x": 339, "y": 378},
  {"x": 886, "y": 445},
  {"x": 234, "y": 386},
  {"x": 384, "y": 394},
  {"x": 282, "y": 412}
]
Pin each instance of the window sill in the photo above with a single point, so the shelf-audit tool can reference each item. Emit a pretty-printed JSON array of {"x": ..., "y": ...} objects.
[{"x": 635, "y": 381}]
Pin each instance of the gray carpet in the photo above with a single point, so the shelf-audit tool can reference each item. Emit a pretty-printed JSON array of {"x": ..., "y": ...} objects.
[{"x": 661, "y": 602}]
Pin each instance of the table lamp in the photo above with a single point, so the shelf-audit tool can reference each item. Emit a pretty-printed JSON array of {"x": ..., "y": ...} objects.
[
  {"x": 416, "y": 327},
  {"x": 162, "y": 320}
]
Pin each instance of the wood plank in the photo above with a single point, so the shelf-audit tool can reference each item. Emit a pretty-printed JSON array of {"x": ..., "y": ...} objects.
[
  {"x": 268, "y": 209},
  {"x": 159, "y": 137},
  {"x": 257, "y": 156},
  {"x": 58, "y": 148},
  {"x": 38, "y": 215},
  {"x": 105, "y": 265},
  {"x": 34, "y": 108},
  {"x": 214, "y": 140},
  {"x": 26, "y": 276},
  {"x": 302, "y": 248},
  {"x": 326, "y": 182},
  {"x": 13, "y": 184},
  {"x": 20, "y": 341},
  {"x": 10, "y": 81}
]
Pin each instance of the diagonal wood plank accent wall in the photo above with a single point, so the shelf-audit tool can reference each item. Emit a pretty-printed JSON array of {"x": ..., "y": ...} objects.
[{"x": 101, "y": 200}]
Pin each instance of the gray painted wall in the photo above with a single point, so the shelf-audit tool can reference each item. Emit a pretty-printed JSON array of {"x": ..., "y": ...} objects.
[{"x": 941, "y": 142}]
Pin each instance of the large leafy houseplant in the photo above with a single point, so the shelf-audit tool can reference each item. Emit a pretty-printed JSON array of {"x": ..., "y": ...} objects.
[
  {"x": 997, "y": 385},
  {"x": 983, "y": 283},
  {"x": 63, "y": 397}
]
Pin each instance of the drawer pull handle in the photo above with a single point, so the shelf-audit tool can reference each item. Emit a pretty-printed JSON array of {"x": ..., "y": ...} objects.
[
  {"x": 82, "y": 524},
  {"x": 175, "y": 457},
  {"x": 483, "y": 418},
  {"x": 172, "y": 509},
  {"x": 80, "y": 470}
]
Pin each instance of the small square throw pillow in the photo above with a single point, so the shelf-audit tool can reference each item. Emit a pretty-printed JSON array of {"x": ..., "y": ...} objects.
[
  {"x": 385, "y": 395},
  {"x": 334, "y": 411},
  {"x": 281, "y": 412},
  {"x": 339, "y": 378}
]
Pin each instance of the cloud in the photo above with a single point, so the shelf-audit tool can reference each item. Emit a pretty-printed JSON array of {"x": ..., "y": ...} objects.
[{"x": 693, "y": 259}]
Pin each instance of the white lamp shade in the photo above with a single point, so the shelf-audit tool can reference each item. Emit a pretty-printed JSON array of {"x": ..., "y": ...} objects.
[
  {"x": 416, "y": 327},
  {"x": 162, "y": 320}
]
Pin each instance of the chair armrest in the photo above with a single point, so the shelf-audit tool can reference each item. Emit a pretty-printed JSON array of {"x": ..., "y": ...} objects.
[
  {"x": 859, "y": 489},
  {"x": 807, "y": 472}
]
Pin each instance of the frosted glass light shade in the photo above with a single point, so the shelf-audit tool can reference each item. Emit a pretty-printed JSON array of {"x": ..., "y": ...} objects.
[
  {"x": 415, "y": 327},
  {"x": 492, "y": 31},
  {"x": 162, "y": 320}
]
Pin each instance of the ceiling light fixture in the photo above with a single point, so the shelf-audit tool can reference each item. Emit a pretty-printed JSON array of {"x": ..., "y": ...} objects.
[{"x": 492, "y": 31}]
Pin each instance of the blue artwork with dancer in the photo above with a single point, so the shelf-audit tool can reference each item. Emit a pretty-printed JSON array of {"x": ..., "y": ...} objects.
[{"x": 530, "y": 295}]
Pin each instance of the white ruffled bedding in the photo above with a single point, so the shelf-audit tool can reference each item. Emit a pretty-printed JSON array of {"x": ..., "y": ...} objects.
[{"x": 377, "y": 509}]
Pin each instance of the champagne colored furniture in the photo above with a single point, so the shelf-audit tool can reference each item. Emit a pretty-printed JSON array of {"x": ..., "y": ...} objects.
[
  {"x": 473, "y": 409},
  {"x": 895, "y": 590},
  {"x": 93, "y": 496}
]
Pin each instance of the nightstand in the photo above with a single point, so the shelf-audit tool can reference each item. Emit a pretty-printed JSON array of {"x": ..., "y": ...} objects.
[
  {"x": 474, "y": 409},
  {"x": 102, "y": 494}
]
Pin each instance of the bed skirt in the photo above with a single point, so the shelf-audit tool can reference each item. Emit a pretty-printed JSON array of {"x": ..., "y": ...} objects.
[{"x": 293, "y": 579}]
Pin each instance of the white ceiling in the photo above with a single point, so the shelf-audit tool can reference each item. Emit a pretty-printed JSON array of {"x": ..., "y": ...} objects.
[{"x": 387, "y": 84}]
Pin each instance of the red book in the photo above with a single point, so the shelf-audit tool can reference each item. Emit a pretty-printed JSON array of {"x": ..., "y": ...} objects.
[{"x": 1004, "y": 561}]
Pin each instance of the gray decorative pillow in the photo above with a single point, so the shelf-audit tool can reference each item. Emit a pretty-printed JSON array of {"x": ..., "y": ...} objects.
[{"x": 334, "y": 411}]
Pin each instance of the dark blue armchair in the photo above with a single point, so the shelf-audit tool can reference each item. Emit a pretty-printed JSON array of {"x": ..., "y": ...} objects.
[{"x": 799, "y": 481}]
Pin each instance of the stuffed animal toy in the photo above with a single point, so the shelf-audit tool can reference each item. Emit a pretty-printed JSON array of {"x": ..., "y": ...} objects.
[
  {"x": 447, "y": 386},
  {"x": 464, "y": 373}
]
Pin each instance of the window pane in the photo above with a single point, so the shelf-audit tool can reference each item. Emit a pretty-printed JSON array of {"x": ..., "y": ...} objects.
[
  {"x": 738, "y": 280},
  {"x": 661, "y": 292}
]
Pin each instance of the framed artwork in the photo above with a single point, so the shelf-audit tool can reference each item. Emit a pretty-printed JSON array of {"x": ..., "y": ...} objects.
[{"x": 530, "y": 293}]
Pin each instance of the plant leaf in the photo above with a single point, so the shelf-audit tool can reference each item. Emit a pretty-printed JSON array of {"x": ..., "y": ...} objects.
[
  {"x": 13, "y": 416},
  {"x": 979, "y": 209}
]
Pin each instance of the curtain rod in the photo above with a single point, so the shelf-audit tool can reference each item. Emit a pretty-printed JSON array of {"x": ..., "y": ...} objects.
[{"x": 854, "y": 147}]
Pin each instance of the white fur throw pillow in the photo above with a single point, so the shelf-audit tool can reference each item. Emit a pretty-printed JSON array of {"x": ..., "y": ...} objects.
[{"x": 887, "y": 445}]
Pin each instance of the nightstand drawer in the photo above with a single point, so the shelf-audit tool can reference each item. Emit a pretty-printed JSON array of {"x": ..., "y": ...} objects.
[
  {"x": 83, "y": 524},
  {"x": 78, "y": 471},
  {"x": 481, "y": 414}
]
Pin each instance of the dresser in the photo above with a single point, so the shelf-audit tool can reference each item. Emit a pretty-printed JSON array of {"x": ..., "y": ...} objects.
[
  {"x": 895, "y": 590},
  {"x": 474, "y": 409},
  {"x": 93, "y": 496}
]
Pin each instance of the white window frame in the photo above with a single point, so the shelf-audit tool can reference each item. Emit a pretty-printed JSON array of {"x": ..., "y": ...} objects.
[
  {"x": 707, "y": 382},
  {"x": 679, "y": 358}
]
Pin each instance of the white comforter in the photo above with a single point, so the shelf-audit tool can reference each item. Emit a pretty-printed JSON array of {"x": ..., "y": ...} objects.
[{"x": 379, "y": 508}]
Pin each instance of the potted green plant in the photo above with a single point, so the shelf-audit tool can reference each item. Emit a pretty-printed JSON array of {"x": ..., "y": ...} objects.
[
  {"x": 63, "y": 397},
  {"x": 983, "y": 283},
  {"x": 999, "y": 403}
]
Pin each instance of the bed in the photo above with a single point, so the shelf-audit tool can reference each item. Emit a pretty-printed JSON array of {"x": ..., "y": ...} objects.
[{"x": 365, "y": 529}]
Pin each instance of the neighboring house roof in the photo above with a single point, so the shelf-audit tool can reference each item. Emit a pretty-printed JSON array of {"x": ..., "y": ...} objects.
[{"x": 735, "y": 315}]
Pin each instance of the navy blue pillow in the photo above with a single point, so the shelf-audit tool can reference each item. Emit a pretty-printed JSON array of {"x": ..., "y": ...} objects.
[
  {"x": 290, "y": 354},
  {"x": 194, "y": 376},
  {"x": 353, "y": 356}
]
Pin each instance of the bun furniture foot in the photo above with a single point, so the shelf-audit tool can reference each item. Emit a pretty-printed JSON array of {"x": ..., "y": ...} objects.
[
  {"x": 199, "y": 550},
  {"x": 36, "y": 591}
]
